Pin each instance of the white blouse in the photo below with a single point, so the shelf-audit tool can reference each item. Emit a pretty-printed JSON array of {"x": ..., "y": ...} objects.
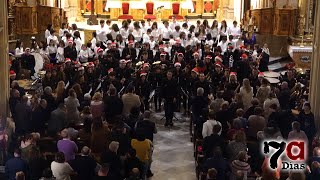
[
  {"x": 78, "y": 43},
  {"x": 19, "y": 52},
  {"x": 124, "y": 33},
  {"x": 137, "y": 33},
  {"x": 52, "y": 49}
]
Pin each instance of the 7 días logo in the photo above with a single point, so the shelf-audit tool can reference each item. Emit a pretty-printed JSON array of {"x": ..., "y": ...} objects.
[{"x": 292, "y": 159}]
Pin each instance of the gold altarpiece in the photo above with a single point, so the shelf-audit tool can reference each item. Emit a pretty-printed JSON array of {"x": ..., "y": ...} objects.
[{"x": 208, "y": 8}]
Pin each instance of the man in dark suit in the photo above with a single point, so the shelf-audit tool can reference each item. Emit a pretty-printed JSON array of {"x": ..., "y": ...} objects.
[
  {"x": 14, "y": 165},
  {"x": 148, "y": 127},
  {"x": 70, "y": 51},
  {"x": 23, "y": 116},
  {"x": 84, "y": 164},
  {"x": 28, "y": 61},
  {"x": 169, "y": 93},
  {"x": 130, "y": 52}
]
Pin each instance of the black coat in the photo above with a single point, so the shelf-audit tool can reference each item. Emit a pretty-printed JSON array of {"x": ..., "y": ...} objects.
[
  {"x": 113, "y": 106},
  {"x": 84, "y": 166},
  {"x": 70, "y": 52},
  {"x": 28, "y": 62},
  {"x": 169, "y": 89}
]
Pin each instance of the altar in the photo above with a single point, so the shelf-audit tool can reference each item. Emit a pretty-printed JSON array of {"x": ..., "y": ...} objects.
[
  {"x": 113, "y": 8},
  {"x": 301, "y": 56}
]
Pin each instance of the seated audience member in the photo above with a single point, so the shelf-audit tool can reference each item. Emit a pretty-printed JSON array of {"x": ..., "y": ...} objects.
[
  {"x": 68, "y": 147},
  {"x": 61, "y": 170},
  {"x": 14, "y": 165}
]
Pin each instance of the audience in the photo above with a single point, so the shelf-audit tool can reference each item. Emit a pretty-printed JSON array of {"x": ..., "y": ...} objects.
[{"x": 125, "y": 77}]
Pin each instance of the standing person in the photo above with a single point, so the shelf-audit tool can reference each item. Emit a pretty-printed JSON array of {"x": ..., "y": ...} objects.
[
  {"x": 61, "y": 170},
  {"x": 15, "y": 165},
  {"x": 101, "y": 33},
  {"x": 165, "y": 31},
  {"x": 143, "y": 148},
  {"x": 97, "y": 105},
  {"x": 68, "y": 147},
  {"x": 113, "y": 105},
  {"x": 57, "y": 120},
  {"x": 208, "y": 126},
  {"x": 100, "y": 135},
  {"x": 47, "y": 32},
  {"x": 235, "y": 31},
  {"x": 23, "y": 116},
  {"x": 63, "y": 29},
  {"x": 130, "y": 100},
  {"x": 84, "y": 164},
  {"x": 215, "y": 33},
  {"x": 223, "y": 31},
  {"x": 306, "y": 119},
  {"x": 52, "y": 37},
  {"x": 246, "y": 92},
  {"x": 77, "y": 40},
  {"x": 28, "y": 62},
  {"x": 19, "y": 49},
  {"x": 70, "y": 51},
  {"x": 169, "y": 92},
  {"x": 72, "y": 104}
]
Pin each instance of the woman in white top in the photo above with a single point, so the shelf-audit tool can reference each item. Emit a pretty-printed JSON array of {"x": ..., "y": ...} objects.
[
  {"x": 165, "y": 31},
  {"x": 124, "y": 31},
  {"x": 297, "y": 133},
  {"x": 53, "y": 37},
  {"x": 47, "y": 32},
  {"x": 77, "y": 40},
  {"x": 137, "y": 32},
  {"x": 19, "y": 49},
  {"x": 215, "y": 32},
  {"x": 60, "y": 52},
  {"x": 61, "y": 170},
  {"x": 155, "y": 31},
  {"x": 121, "y": 43},
  {"x": 176, "y": 32},
  {"x": 94, "y": 39},
  {"x": 43, "y": 50},
  {"x": 83, "y": 54},
  {"x": 246, "y": 92},
  {"x": 63, "y": 29},
  {"x": 52, "y": 51},
  {"x": 202, "y": 33},
  {"x": 223, "y": 31},
  {"x": 114, "y": 31}
]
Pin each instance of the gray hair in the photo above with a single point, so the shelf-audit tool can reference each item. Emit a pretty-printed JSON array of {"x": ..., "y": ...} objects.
[
  {"x": 48, "y": 90},
  {"x": 200, "y": 91}
]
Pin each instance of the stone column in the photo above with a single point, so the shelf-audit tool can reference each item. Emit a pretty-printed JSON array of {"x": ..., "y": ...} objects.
[
  {"x": 314, "y": 95},
  {"x": 4, "y": 68}
]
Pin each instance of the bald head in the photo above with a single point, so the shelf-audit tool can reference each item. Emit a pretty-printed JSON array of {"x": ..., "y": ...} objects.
[{"x": 85, "y": 151}]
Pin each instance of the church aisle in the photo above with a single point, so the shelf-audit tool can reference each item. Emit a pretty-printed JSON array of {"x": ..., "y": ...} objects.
[{"x": 173, "y": 154}]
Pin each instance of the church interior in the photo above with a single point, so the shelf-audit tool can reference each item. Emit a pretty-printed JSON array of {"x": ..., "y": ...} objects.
[{"x": 289, "y": 29}]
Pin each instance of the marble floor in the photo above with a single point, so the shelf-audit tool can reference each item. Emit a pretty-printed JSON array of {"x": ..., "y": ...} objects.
[{"x": 173, "y": 154}]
